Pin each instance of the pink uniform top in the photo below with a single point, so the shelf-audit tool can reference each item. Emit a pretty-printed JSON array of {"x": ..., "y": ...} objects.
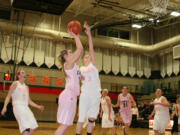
[
  {"x": 73, "y": 80},
  {"x": 125, "y": 103},
  {"x": 20, "y": 95}
]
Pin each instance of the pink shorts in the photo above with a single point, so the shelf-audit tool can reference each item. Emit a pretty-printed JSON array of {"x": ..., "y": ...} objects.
[
  {"x": 126, "y": 117},
  {"x": 66, "y": 108}
]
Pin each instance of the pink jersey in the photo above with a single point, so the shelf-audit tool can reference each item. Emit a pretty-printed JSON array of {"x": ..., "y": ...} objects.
[
  {"x": 125, "y": 103},
  {"x": 68, "y": 98},
  {"x": 125, "y": 108},
  {"x": 73, "y": 80}
]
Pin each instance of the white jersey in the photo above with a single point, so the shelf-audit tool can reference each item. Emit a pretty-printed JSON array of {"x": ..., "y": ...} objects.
[
  {"x": 91, "y": 82},
  {"x": 21, "y": 110},
  {"x": 20, "y": 95},
  {"x": 161, "y": 111},
  {"x": 106, "y": 123},
  {"x": 161, "y": 118},
  {"x": 104, "y": 106}
]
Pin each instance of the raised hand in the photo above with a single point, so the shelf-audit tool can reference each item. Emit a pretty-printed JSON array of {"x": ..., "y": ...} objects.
[
  {"x": 72, "y": 33},
  {"x": 88, "y": 29}
]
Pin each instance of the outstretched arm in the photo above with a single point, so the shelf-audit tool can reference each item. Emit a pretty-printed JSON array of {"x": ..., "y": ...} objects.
[
  {"x": 78, "y": 52},
  {"x": 118, "y": 102},
  {"x": 31, "y": 103},
  {"x": 91, "y": 47},
  {"x": 8, "y": 97}
]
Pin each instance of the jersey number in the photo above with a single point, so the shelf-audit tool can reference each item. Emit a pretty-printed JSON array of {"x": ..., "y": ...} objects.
[
  {"x": 79, "y": 74},
  {"x": 125, "y": 104}
]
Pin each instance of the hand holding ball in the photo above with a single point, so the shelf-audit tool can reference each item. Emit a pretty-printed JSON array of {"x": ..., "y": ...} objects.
[{"x": 75, "y": 27}]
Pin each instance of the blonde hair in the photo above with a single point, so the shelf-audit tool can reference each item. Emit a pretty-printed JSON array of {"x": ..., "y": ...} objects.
[
  {"x": 62, "y": 60},
  {"x": 105, "y": 90}
]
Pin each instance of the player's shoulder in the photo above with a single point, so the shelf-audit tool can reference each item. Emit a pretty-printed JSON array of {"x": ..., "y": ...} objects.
[
  {"x": 92, "y": 65},
  {"x": 107, "y": 98},
  {"x": 14, "y": 83},
  {"x": 163, "y": 98}
]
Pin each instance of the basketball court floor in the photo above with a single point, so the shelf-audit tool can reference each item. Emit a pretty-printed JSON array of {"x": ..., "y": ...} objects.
[{"x": 11, "y": 128}]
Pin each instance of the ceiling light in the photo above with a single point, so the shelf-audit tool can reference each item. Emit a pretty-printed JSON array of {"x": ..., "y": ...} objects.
[
  {"x": 136, "y": 26},
  {"x": 174, "y": 13},
  {"x": 151, "y": 19}
]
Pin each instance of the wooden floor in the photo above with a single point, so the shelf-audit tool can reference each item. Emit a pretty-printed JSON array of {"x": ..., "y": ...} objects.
[{"x": 11, "y": 128}]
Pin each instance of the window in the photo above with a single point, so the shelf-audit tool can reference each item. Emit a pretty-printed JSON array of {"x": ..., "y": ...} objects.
[
  {"x": 102, "y": 32},
  {"x": 114, "y": 33},
  {"x": 124, "y": 34}
]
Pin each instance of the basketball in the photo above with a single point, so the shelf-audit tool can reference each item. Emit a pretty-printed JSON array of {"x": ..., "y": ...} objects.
[{"x": 75, "y": 26}]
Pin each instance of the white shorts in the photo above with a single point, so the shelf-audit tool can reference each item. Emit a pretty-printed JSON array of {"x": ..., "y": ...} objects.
[
  {"x": 106, "y": 123},
  {"x": 160, "y": 123},
  {"x": 88, "y": 107},
  {"x": 24, "y": 117}
]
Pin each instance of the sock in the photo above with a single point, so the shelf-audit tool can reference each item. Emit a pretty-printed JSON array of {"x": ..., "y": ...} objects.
[
  {"x": 90, "y": 127},
  {"x": 78, "y": 128}
]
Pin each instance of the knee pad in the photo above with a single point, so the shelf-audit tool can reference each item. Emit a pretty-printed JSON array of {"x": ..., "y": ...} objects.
[
  {"x": 27, "y": 130},
  {"x": 91, "y": 121}
]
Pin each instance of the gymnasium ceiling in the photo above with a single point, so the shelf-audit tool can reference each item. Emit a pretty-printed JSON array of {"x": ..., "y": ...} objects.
[
  {"x": 120, "y": 12},
  {"x": 115, "y": 13}
]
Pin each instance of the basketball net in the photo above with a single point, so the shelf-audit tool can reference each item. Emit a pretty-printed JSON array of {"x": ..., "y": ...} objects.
[{"x": 159, "y": 7}]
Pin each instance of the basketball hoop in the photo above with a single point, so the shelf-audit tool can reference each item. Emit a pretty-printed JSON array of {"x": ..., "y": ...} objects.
[{"x": 159, "y": 7}]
